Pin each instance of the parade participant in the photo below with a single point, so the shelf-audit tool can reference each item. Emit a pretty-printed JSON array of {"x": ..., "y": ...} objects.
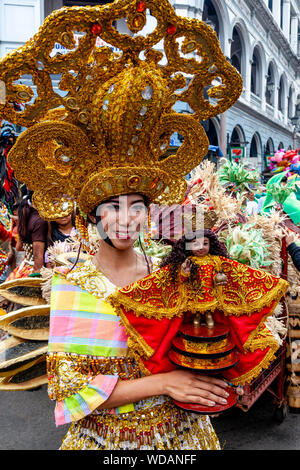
[
  {"x": 32, "y": 237},
  {"x": 60, "y": 230},
  {"x": 104, "y": 148},
  {"x": 294, "y": 250},
  {"x": 251, "y": 204}
]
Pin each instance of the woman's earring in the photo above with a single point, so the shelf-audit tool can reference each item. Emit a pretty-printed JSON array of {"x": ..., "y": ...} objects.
[
  {"x": 147, "y": 231},
  {"x": 81, "y": 225}
]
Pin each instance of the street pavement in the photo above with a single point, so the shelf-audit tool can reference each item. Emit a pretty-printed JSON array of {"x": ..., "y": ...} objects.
[{"x": 27, "y": 423}]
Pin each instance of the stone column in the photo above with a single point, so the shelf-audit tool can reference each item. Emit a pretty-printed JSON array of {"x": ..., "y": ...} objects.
[
  {"x": 277, "y": 11},
  {"x": 286, "y": 18},
  {"x": 294, "y": 34},
  {"x": 223, "y": 142}
]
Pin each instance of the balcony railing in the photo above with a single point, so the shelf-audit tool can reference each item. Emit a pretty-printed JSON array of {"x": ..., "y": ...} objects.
[
  {"x": 255, "y": 100},
  {"x": 269, "y": 110}
]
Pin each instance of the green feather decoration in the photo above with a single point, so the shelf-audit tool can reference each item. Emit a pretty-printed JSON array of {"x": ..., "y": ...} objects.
[
  {"x": 246, "y": 245},
  {"x": 237, "y": 176}
]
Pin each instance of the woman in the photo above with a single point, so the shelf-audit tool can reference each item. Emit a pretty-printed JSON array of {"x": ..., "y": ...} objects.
[
  {"x": 59, "y": 230},
  {"x": 32, "y": 238},
  {"x": 104, "y": 148},
  {"x": 110, "y": 401}
]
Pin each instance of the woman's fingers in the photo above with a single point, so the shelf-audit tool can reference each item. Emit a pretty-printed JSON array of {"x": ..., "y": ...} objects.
[{"x": 194, "y": 399}]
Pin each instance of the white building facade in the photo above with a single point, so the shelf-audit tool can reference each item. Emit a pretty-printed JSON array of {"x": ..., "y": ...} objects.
[{"x": 259, "y": 37}]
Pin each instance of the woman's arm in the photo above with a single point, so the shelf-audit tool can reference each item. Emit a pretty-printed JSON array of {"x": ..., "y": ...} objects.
[
  {"x": 184, "y": 386},
  {"x": 38, "y": 255}
]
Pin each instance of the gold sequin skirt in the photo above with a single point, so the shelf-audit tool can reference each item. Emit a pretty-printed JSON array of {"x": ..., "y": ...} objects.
[{"x": 160, "y": 427}]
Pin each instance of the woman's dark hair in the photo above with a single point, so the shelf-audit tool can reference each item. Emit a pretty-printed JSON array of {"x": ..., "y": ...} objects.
[
  {"x": 179, "y": 252},
  {"x": 24, "y": 211}
]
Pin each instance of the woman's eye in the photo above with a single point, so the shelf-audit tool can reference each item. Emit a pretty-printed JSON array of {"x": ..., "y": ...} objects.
[
  {"x": 114, "y": 207},
  {"x": 139, "y": 208}
]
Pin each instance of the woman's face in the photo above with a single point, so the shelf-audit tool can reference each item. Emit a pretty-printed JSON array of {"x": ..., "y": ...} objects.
[
  {"x": 63, "y": 221},
  {"x": 200, "y": 246},
  {"x": 123, "y": 218}
]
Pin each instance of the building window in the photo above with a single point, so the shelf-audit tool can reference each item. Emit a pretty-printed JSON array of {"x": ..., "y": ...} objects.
[
  {"x": 253, "y": 148},
  {"x": 270, "y": 86},
  {"x": 210, "y": 16},
  {"x": 236, "y": 50},
  {"x": 291, "y": 112},
  {"x": 270, "y": 4},
  {"x": 255, "y": 73},
  {"x": 281, "y": 96}
]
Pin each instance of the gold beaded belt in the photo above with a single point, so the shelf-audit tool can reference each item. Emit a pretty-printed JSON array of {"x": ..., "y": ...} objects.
[{"x": 139, "y": 426}]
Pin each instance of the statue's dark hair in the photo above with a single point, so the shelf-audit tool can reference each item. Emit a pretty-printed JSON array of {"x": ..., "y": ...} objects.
[{"x": 179, "y": 253}]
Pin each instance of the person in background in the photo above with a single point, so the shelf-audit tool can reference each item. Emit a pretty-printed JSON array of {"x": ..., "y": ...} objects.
[
  {"x": 294, "y": 250},
  {"x": 32, "y": 238},
  {"x": 59, "y": 230},
  {"x": 251, "y": 204}
]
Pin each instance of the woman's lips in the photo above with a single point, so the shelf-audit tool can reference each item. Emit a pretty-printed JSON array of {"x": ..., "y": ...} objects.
[{"x": 123, "y": 235}]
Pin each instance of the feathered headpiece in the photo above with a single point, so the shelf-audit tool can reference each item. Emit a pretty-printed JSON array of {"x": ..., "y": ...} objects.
[{"x": 109, "y": 133}]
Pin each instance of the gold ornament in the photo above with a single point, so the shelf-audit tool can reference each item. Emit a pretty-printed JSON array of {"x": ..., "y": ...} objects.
[
  {"x": 109, "y": 134},
  {"x": 220, "y": 279}
]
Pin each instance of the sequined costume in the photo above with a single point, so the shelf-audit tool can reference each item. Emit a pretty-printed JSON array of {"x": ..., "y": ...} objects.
[
  {"x": 71, "y": 154},
  {"x": 88, "y": 353}
]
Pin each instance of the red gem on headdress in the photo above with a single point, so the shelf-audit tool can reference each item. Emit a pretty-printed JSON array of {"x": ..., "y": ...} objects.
[
  {"x": 96, "y": 29},
  {"x": 171, "y": 29},
  {"x": 141, "y": 7}
]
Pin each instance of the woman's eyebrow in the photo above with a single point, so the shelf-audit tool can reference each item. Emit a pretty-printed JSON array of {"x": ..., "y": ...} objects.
[{"x": 138, "y": 200}]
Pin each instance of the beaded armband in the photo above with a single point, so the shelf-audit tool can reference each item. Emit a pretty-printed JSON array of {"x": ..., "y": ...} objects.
[{"x": 69, "y": 373}]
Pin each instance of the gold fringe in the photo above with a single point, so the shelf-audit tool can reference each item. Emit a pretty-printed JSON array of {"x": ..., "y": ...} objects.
[
  {"x": 132, "y": 353},
  {"x": 266, "y": 300},
  {"x": 253, "y": 343},
  {"x": 119, "y": 300},
  {"x": 137, "y": 341},
  {"x": 253, "y": 373}
]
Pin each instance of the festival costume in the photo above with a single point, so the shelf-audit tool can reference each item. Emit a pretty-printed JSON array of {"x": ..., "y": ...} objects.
[
  {"x": 88, "y": 354},
  {"x": 108, "y": 136}
]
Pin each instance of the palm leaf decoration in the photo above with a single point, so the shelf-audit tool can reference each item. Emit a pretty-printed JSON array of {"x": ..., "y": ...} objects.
[{"x": 236, "y": 177}]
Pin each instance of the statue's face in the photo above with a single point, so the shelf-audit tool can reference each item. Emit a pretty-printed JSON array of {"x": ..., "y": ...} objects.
[
  {"x": 200, "y": 246},
  {"x": 123, "y": 218}
]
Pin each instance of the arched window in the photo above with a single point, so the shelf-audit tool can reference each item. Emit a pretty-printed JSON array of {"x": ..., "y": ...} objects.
[
  {"x": 237, "y": 137},
  {"x": 281, "y": 95},
  {"x": 269, "y": 150},
  {"x": 236, "y": 50},
  {"x": 291, "y": 110},
  {"x": 210, "y": 16},
  {"x": 270, "y": 85},
  {"x": 280, "y": 146},
  {"x": 256, "y": 72}
]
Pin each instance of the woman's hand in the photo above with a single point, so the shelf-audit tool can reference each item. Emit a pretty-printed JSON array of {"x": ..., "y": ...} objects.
[{"x": 190, "y": 387}]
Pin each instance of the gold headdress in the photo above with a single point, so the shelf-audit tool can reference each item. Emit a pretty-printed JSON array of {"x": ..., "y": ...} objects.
[{"x": 109, "y": 134}]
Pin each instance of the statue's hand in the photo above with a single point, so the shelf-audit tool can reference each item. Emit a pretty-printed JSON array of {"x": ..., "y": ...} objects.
[{"x": 186, "y": 266}]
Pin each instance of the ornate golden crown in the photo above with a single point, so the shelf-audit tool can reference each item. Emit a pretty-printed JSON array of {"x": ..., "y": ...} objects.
[{"x": 109, "y": 134}]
